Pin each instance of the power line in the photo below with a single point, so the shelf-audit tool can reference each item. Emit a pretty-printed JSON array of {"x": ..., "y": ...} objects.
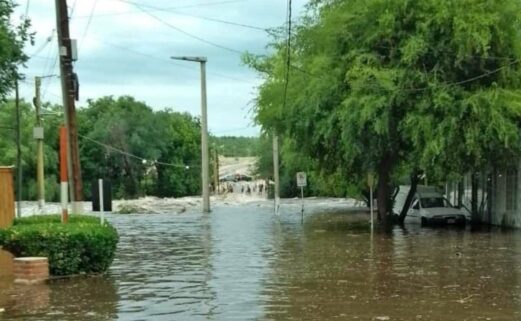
[
  {"x": 454, "y": 83},
  {"x": 185, "y": 32},
  {"x": 27, "y": 5},
  {"x": 288, "y": 57},
  {"x": 204, "y": 4},
  {"x": 169, "y": 10},
  {"x": 221, "y": 21},
  {"x": 55, "y": 62},
  {"x": 43, "y": 45},
  {"x": 139, "y": 53},
  {"x": 142, "y": 159},
  {"x": 484, "y": 75},
  {"x": 72, "y": 9},
  {"x": 93, "y": 8}
]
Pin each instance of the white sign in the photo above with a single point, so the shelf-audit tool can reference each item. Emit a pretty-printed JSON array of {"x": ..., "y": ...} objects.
[
  {"x": 301, "y": 179},
  {"x": 38, "y": 132}
]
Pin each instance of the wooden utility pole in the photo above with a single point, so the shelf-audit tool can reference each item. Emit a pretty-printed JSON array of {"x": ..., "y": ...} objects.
[
  {"x": 18, "y": 153},
  {"x": 38, "y": 133},
  {"x": 69, "y": 96}
]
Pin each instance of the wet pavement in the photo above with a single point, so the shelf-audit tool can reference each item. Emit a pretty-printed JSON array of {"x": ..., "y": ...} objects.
[{"x": 243, "y": 263}]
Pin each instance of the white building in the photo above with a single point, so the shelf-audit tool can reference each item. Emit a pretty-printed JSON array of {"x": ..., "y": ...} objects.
[{"x": 498, "y": 195}]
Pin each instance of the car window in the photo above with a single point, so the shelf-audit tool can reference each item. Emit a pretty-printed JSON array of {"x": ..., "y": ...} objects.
[{"x": 428, "y": 202}]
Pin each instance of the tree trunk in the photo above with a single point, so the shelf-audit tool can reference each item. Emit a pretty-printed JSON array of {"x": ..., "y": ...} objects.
[
  {"x": 474, "y": 198},
  {"x": 384, "y": 189},
  {"x": 159, "y": 181},
  {"x": 131, "y": 186},
  {"x": 461, "y": 191},
  {"x": 415, "y": 179}
]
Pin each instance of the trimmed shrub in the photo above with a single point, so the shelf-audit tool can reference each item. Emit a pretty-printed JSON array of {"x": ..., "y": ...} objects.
[{"x": 81, "y": 246}]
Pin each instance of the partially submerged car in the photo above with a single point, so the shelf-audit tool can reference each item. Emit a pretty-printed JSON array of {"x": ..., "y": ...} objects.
[{"x": 429, "y": 207}]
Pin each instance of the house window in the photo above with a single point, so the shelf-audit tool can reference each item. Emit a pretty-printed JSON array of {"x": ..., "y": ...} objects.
[{"x": 511, "y": 190}]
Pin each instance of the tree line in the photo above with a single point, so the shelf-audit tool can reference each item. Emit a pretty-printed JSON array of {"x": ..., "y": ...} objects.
[{"x": 141, "y": 151}]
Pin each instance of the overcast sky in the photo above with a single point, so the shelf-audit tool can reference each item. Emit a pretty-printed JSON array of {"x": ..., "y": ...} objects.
[{"x": 125, "y": 45}]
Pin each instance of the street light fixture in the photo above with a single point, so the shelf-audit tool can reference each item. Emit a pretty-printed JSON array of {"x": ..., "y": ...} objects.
[{"x": 204, "y": 131}]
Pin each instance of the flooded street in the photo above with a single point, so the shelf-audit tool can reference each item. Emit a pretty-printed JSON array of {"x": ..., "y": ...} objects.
[{"x": 243, "y": 263}]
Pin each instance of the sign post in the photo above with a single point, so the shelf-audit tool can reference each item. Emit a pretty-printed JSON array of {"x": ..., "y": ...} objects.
[
  {"x": 302, "y": 182},
  {"x": 101, "y": 202}
]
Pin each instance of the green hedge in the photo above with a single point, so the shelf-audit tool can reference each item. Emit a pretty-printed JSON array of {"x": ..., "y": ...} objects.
[{"x": 81, "y": 246}]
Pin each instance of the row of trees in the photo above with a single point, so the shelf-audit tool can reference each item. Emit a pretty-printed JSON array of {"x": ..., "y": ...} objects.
[
  {"x": 396, "y": 88},
  {"x": 236, "y": 146},
  {"x": 140, "y": 150}
]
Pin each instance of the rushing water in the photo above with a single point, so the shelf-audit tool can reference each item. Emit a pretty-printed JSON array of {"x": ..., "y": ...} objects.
[{"x": 244, "y": 263}]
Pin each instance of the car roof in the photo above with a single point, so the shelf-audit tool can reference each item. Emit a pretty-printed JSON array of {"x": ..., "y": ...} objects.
[{"x": 430, "y": 195}]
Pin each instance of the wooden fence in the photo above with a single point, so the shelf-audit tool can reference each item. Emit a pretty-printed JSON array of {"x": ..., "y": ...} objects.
[{"x": 6, "y": 197}]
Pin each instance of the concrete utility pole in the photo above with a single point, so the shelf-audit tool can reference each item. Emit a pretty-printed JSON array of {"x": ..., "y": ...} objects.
[
  {"x": 38, "y": 133},
  {"x": 69, "y": 96},
  {"x": 276, "y": 171},
  {"x": 205, "y": 170}
]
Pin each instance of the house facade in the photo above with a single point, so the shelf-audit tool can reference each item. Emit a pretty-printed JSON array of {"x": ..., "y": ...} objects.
[{"x": 498, "y": 196}]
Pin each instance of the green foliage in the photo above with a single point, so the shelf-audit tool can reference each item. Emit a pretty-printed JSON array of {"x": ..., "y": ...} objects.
[
  {"x": 12, "y": 40},
  {"x": 388, "y": 86},
  {"x": 111, "y": 131},
  {"x": 51, "y": 125},
  {"x": 81, "y": 246},
  {"x": 293, "y": 160},
  {"x": 168, "y": 141},
  {"x": 235, "y": 146}
]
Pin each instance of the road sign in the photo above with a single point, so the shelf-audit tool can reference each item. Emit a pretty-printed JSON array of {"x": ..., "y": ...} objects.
[
  {"x": 301, "y": 179},
  {"x": 370, "y": 179}
]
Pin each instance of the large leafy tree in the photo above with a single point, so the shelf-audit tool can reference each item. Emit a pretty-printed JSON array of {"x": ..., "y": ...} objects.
[
  {"x": 141, "y": 151},
  {"x": 181, "y": 149},
  {"x": 385, "y": 85},
  {"x": 12, "y": 40}
]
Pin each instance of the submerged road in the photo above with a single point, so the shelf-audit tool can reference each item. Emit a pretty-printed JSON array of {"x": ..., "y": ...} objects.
[{"x": 243, "y": 263}]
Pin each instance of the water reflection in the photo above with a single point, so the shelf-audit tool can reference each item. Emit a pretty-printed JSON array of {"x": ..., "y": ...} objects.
[
  {"x": 333, "y": 273},
  {"x": 243, "y": 263},
  {"x": 80, "y": 298}
]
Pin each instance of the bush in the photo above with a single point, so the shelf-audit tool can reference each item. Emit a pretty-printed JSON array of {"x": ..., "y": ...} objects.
[{"x": 81, "y": 246}]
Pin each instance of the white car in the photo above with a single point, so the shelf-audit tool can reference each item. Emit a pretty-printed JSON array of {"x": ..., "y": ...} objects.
[
  {"x": 434, "y": 209},
  {"x": 430, "y": 207}
]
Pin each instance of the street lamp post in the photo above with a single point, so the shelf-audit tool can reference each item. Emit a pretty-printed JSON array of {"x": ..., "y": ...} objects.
[{"x": 204, "y": 131}]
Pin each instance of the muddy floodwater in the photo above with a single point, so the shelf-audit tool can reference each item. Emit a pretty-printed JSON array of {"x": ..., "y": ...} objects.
[{"x": 243, "y": 263}]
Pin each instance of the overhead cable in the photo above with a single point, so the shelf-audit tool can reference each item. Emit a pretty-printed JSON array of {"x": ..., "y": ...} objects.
[
  {"x": 168, "y": 24},
  {"x": 204, "y": 4},
  {"x": 142, "y": 159}
]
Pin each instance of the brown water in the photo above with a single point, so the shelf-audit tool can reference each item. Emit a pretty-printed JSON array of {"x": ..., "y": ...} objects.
[{"x": 243, "y": 263}]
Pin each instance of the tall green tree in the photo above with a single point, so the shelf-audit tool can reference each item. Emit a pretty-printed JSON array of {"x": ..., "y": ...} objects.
[
  {"x": 181, "y": 148},
  {"x": 139, "y": 150},
  {"x": 12, "y": 40},
  {"x": 235, "y": 146},
  {"x": 386, "y": 85}
]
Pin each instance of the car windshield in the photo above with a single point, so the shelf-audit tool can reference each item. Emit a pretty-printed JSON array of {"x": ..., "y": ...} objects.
[{"x": 428, "y": 202}]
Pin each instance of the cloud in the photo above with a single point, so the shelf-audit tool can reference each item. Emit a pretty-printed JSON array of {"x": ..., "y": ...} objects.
[{"x": 125, "y": 51}]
